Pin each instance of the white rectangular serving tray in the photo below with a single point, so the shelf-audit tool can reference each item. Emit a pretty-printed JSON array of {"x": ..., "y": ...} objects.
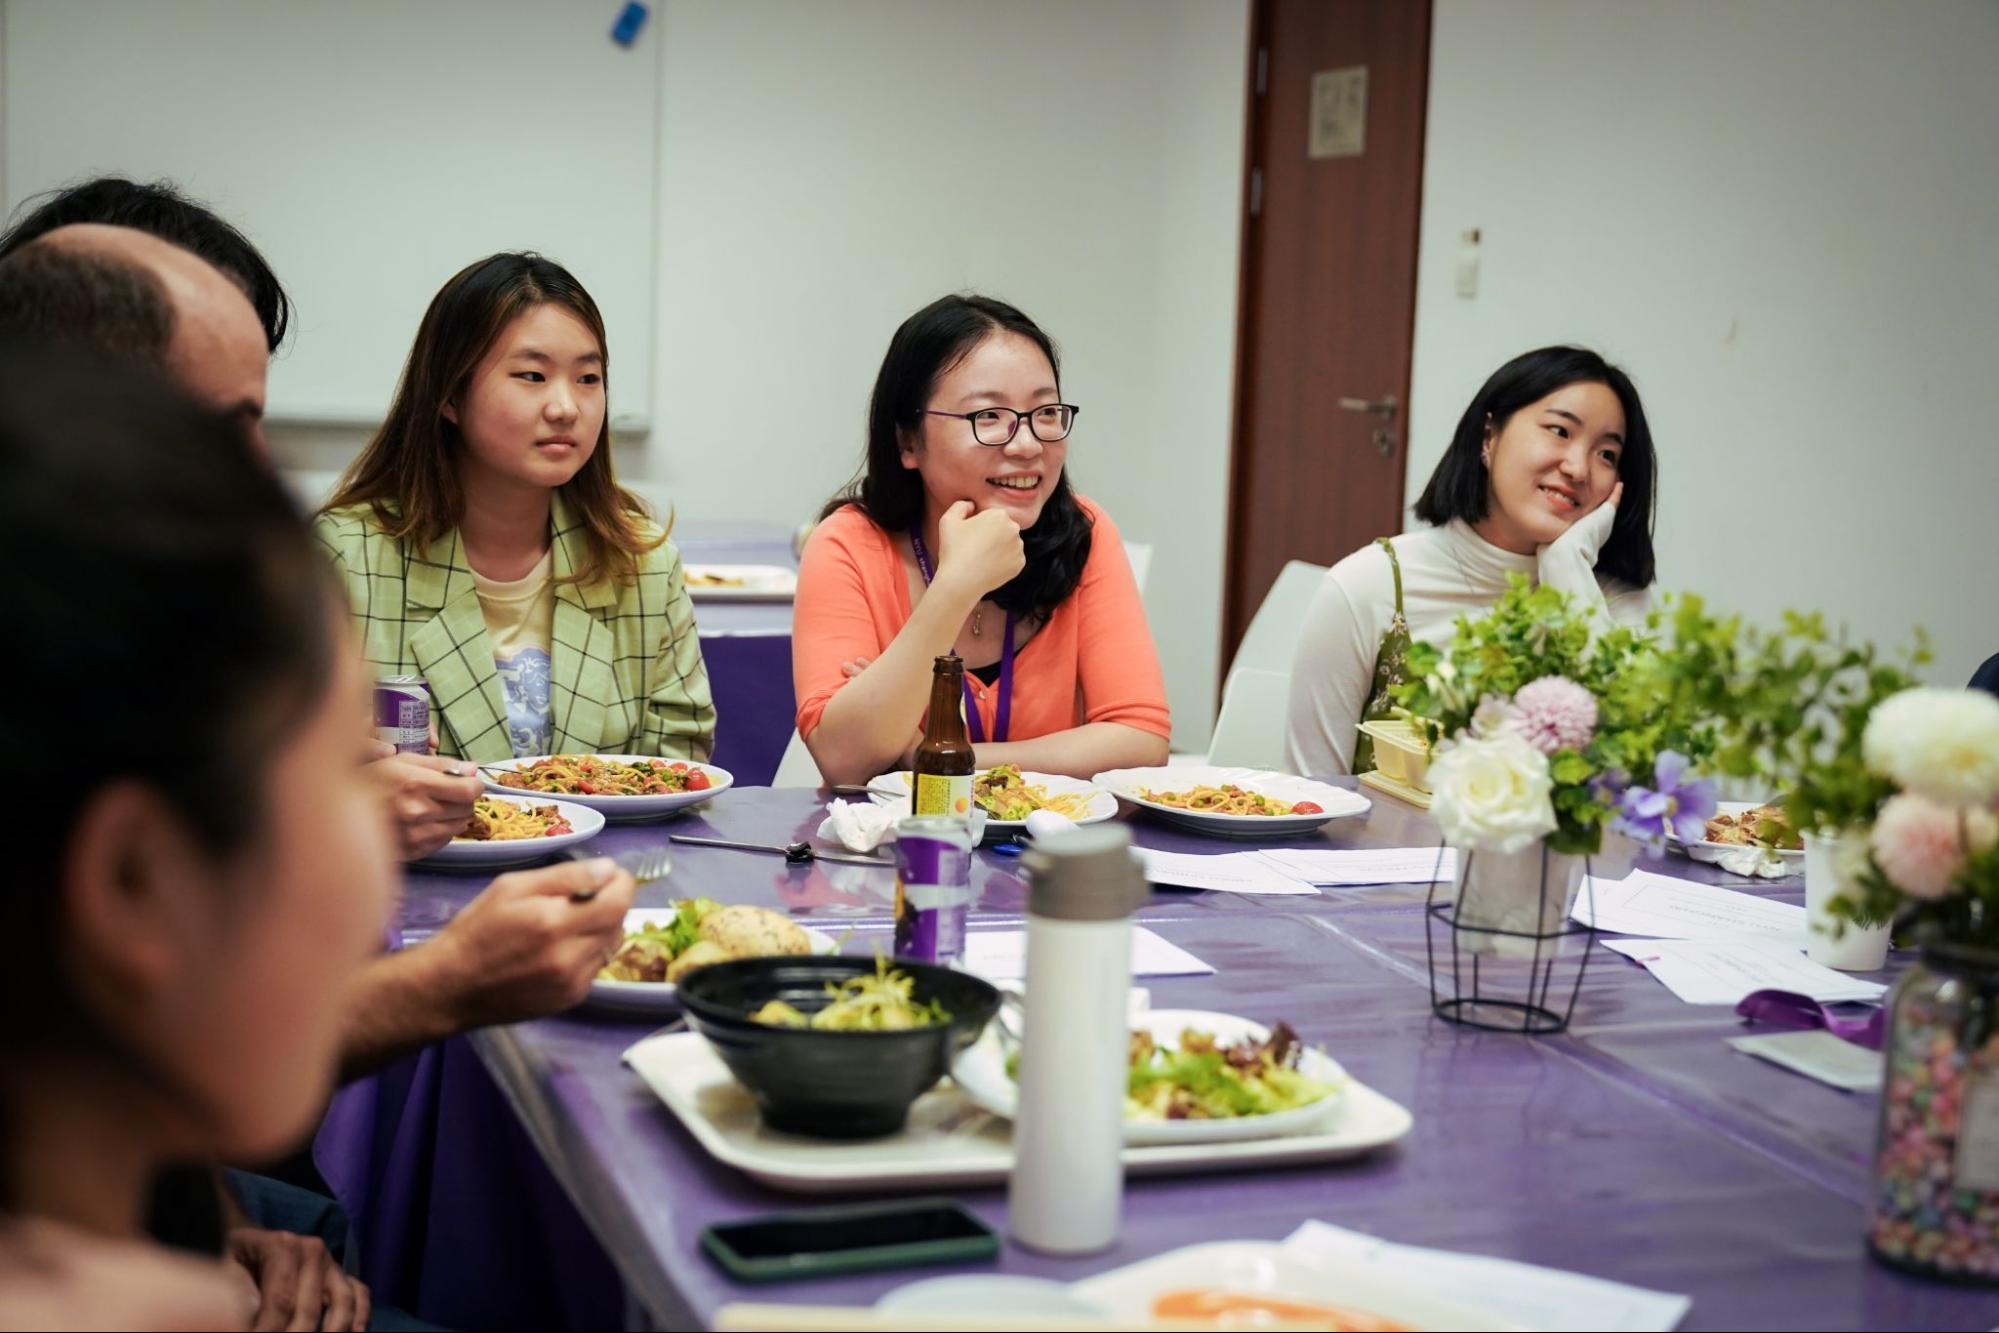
[{"x": 949, "y": 1142}]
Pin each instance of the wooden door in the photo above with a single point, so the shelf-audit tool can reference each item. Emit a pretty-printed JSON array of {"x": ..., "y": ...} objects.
[{"x": 1334, "y": 192}]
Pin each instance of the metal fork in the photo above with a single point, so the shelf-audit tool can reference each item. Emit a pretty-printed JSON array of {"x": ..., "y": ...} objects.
[{"x": 644, "y": 864}]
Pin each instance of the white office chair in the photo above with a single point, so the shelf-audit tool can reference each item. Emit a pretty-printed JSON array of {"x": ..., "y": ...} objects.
[
  {"x": 797, "y": 768},
  {"x": 1272, "y": 637},
  {"x": 1265, "y": 652},
  {"x": 1139, "y": 555},
  {"x": 1249, "y": 731}
]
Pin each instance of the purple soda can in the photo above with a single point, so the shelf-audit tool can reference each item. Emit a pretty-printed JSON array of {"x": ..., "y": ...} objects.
[
  {"x": 402, "y": 713},
  {"x": 933, "y": 888}
]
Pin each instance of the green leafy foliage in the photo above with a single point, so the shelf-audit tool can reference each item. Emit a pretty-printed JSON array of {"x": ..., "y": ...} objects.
[
  {"x": 1644, "y": 705},
  {"x": 1789, "y": 706}
]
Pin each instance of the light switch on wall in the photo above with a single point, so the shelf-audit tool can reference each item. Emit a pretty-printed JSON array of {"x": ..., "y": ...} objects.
[{"x": 1467, "y": 269}]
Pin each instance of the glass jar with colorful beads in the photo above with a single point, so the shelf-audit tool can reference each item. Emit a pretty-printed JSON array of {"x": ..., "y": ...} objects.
[{"x": 1936, "y": 1166}]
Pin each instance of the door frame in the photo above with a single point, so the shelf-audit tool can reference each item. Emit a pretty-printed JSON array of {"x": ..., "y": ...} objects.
[{"x": 1248, "y": 258}]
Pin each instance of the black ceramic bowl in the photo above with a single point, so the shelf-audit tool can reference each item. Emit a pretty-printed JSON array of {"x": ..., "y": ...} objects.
[{"x": 832, "y": 1085}]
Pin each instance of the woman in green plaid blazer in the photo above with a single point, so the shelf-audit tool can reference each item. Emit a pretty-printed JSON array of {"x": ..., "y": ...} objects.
[
  {"x": 486, "y": 547},
  {"x": 625, "y": 673}
]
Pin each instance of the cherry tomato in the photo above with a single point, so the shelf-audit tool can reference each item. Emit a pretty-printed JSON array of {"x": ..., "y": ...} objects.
[
  {"x": 698, "y": 781},
  {"x": 1307, "y": 808}
]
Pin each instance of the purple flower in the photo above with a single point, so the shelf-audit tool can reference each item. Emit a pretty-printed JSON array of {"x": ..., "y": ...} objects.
[
  {"x": 1608, "y": 786},
  {"x": 1554, "y": 713},
  {"x": 1670, "y": 805}
]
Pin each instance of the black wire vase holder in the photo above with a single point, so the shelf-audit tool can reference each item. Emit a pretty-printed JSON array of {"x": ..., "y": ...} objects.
[{"x": 1499, "y": 979}]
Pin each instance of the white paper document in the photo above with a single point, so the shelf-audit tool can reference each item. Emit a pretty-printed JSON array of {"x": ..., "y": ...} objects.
[
  {"x": 1723, "y": 971},
  {"x": 1234, "y": 872},
  {"x": 1817, "y": 1054},
  {"x": 1658, "y": 906},
  {"x": 1001, "y": 955},
  {"x": 1542, "y": 1298},
  {"x": 1345, "y": 867}
]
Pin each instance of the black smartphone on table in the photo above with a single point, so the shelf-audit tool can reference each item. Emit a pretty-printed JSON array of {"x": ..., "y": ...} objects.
[{"x": 849, "y": 1238}]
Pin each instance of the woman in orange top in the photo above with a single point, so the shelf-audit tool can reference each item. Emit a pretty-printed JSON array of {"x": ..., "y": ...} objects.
[{"x": 962, "y": 535}]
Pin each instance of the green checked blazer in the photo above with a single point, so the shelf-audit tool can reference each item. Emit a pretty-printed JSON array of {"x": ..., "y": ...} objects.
[{"x": 625, "y": 660}]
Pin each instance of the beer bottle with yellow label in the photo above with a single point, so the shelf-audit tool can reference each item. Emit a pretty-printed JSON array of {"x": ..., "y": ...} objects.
[{"x": 942, "y": 781}]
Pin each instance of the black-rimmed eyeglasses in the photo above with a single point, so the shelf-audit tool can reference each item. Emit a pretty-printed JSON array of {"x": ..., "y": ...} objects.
[{"x": 998, "y": 425}]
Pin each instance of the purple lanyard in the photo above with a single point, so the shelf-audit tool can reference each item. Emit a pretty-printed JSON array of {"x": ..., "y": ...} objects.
[{"x": 1005, "y": 713}]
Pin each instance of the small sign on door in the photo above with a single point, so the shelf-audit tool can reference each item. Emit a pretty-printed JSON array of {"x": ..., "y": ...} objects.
[{"x": 1339, "y": 113}]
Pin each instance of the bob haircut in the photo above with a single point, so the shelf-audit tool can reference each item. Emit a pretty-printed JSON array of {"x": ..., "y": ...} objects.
[{"x": 1461, "y": 486}]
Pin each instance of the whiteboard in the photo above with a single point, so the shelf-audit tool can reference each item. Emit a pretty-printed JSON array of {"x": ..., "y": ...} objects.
[{"x": 370, "y": 149}]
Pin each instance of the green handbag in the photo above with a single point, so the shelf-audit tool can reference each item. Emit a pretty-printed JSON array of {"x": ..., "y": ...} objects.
[{"x": 1391, "y": 668}]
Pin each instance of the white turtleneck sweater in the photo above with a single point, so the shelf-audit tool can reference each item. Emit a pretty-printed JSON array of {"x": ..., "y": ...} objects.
[{"x": 1447, "y": 572}]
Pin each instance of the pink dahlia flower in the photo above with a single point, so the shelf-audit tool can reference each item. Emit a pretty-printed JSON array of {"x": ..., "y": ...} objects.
[{"x": 1554, "y": 713}]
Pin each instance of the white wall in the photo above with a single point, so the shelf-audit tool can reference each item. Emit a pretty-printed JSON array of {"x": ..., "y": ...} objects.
[
  {"x": 821, "y": 170},
  {"x": 367, "y": 146},
  {"x": 824, "y": 172},
  {"x": 1782, "y": 218}
]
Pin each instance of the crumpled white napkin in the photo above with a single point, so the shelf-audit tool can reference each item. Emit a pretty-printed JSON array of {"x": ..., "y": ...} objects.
[
  {"x": 859, "y": 826},
  {"x": 1753, "y": 863},
  {"x": 1046, "y": 823},
  {"x": 862, "y": 826}
]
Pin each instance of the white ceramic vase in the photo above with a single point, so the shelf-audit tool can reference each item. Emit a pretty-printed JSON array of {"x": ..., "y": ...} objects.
[
  {"x": 1830, "y": 940},
  {"x": 1524, "y": 893}
]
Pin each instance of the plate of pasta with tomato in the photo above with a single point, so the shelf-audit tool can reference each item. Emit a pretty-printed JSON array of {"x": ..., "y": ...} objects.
[
  {"x": 1232, "y": 802},
  {"x": 516, "y": 829},
  {"x": 618, "y": 786}
]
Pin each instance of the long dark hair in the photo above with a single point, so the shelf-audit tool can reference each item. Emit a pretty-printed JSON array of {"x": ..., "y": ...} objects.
[
  {"x": 176, "y": 625},
  {"x": 1460, "y": 487},
  {"x": 408, "y": 474},
  {"x": 926, "y": 347}
]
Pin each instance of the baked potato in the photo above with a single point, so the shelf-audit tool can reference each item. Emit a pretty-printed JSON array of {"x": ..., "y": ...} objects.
[{"x": 754, "y": 932}]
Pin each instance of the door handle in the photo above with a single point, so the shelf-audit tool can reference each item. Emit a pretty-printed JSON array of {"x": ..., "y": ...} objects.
[{"x": 1385, "y": 408}]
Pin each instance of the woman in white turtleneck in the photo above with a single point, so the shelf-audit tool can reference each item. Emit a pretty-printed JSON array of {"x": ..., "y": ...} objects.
[{"x": 1550, "y": 474}]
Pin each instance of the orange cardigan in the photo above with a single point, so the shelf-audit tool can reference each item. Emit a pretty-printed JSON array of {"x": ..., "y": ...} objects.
[{"x": 1092, "y": 662}]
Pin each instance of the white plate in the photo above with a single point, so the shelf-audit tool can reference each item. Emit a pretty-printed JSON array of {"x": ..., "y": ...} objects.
[
  {"x": 1334, "y": 801},
  {"x": 989, "y": 1294},
  {"x": 949, "y": 1141},
  {"x": 617, "y": 808},
  {"x": 1268, "y": 1268},
  {"x": 981, "y": 1071},
  {"x": 1711, "y": 852},
  {"x": 663, "y": 997},
  {"x": 746, "y": 583},
  {"x": 586, "y": 822},
  {"x": 892, "y": 789}
]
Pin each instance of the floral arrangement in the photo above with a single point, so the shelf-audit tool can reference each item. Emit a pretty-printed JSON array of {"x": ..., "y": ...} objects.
[
  {"x": 1546, "y": 724},
  {"x": 1931, "y": 858},
  {"x": 1791, "y": 707}
]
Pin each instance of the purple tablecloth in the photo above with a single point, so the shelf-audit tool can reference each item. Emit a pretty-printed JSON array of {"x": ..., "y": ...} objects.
[
  {"x": 1637, "y": 1147},
  {"x": 747, "y": 648}
]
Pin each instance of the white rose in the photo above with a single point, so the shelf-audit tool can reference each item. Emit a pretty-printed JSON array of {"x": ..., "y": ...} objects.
[
  {"x": 1492, "y": 793},
  {"x": 1941, "y": 743}
]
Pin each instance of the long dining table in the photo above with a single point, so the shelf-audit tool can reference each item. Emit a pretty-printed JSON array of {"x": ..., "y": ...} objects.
[{"x": 1636, "y": 1146}]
